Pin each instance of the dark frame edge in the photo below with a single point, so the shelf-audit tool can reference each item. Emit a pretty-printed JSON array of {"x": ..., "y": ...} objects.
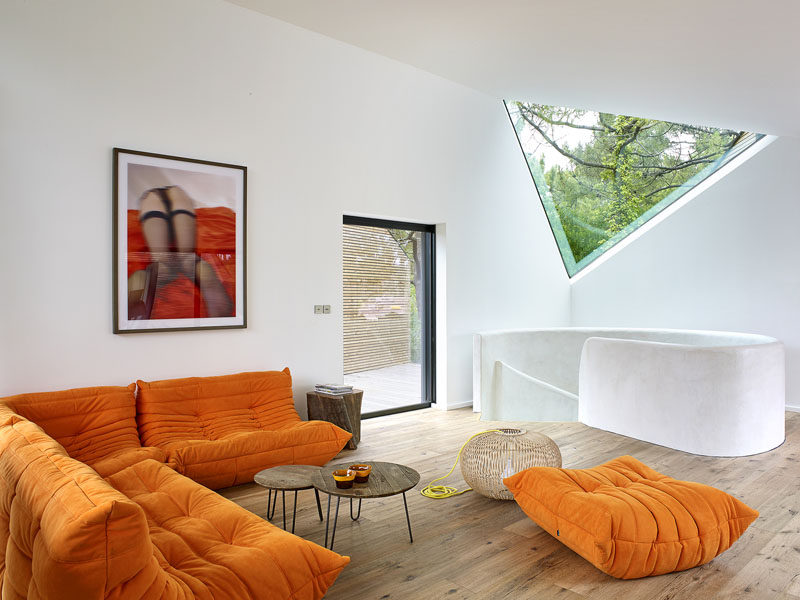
[
  {"x": 429, "y": 366},
  {"x": 388, "y": 223},
  {"x": 115, "y": 241},
  {"x": 394, "y": 411}
]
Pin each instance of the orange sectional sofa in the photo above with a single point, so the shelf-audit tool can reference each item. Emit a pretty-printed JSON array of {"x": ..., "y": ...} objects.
[
  {"x": 221, "y": 431},
  {"x": 87, "y": 512}
]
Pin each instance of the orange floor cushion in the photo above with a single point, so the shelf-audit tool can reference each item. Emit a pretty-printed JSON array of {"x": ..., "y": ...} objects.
[
  {"x": 221, "y": 431},
  {"x": 95, "y": 425},
  {"x": 629, "y": 520}
]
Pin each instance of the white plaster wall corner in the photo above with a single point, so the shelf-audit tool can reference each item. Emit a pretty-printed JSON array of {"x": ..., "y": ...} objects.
[
  {"x": 520, "y": 397},
  {"x": 528, "y": 375},
  {"x": 476, "y": 373}
]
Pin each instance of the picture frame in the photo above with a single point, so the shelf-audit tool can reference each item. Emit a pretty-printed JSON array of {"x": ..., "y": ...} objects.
[{"x": 179, "y": 243}]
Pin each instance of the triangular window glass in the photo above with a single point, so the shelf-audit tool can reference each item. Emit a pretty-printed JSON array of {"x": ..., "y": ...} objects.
[{"x": 601, "y": 176}]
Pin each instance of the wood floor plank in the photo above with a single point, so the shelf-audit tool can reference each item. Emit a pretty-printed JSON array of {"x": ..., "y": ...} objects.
[
  {"x": 773, "y": 569},
  {"x": 471, "y": 547}
]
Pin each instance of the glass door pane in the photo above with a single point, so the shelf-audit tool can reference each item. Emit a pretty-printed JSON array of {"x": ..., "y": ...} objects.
[{"x": 388, "y": 325}]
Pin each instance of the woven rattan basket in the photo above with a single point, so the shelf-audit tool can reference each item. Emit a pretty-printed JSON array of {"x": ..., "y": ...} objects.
[{"x": 489, "y": 457}]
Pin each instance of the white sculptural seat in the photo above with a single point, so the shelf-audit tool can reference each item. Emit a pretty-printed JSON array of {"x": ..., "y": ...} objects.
[{"x": 704, "y": 392}]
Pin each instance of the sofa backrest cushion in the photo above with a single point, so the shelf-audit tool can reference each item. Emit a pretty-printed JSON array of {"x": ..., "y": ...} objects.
[
  {"x": 90, "y": 423},
  {"x": 64, "y": 531},
  {"x": 213, "y": 408}
]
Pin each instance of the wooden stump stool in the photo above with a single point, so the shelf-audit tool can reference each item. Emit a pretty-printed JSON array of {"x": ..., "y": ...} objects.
[{"x": 343, "y": 410}]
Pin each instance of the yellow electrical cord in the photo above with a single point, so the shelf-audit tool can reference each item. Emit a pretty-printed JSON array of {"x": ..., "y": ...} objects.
[{"x": 446, "y": 491}]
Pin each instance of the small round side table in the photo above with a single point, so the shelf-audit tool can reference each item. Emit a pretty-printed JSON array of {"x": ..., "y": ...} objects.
[
  {"x": 386, "y": 479},
  {"x": 493, "y": 455},
  {"x": 287, "y": 478}
]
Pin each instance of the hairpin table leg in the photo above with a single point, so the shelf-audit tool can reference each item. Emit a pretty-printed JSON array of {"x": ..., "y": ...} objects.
[
  {"x": 327, "y": 520},
  {"x": 335, "y": 520},
  {"x": 408, "y": 520},
  {"x": 319, "y": 507},
  {"x": 283, "y": 493},
  {"x": 351, "y": 509},
  {"x": 294, "y": 511},
  {"x": 272, "y": 504}
]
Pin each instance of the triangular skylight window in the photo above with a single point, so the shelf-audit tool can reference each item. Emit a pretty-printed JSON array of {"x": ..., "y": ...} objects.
[{"x": 602, "y": 176}]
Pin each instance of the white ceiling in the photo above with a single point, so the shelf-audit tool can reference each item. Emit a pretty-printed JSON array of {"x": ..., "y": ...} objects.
[{"x": 729, "y": 63}]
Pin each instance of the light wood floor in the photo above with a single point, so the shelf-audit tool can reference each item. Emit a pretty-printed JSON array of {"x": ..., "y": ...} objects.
[{"x": 473, "y": 547}]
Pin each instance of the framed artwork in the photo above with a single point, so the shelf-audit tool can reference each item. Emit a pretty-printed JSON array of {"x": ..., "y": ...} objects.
[{"x": 179, "y": 243}]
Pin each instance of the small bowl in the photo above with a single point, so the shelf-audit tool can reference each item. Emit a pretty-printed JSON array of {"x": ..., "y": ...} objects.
[
  {"x": 362, "y": 472},
  {"x": 344, "y": 478}
]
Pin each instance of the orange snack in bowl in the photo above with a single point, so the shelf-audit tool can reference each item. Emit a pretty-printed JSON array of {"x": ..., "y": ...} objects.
[
  {"x": 362, "y": 472},
  {"x": 344, "y": 478}
]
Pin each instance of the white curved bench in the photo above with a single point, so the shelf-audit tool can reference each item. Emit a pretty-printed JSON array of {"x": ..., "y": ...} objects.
[{"x": 704, "y": 392}]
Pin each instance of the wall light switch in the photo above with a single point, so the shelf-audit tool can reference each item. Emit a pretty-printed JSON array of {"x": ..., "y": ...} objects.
[
  {"x": 318, "y": 309},
  {"x": 326, "y": 309}
]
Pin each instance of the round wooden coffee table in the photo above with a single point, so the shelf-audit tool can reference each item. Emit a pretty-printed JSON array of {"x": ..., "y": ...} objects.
[
  {"x": 287, "y": 478},
  {"x": 386, "y": 479}
]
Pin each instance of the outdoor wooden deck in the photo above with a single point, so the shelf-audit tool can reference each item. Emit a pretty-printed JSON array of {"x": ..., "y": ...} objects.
[{"x": 388, "y": 387}]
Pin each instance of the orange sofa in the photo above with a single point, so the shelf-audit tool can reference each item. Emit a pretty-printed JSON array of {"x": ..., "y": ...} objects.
[
  {"x": 87, "y": 512},
  {"x": 220, "y": 431}
]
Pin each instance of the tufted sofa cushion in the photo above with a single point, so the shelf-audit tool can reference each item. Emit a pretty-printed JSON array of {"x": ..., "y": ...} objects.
[
  {"x": 221, "y": 431},
  {"x": 121, "y": 459},
  {"x": 212, "y": 548},
  {"x": 629, "y": 520},
  {"x": 64, "y": 532},
  {"x": 96, "y": 425}
]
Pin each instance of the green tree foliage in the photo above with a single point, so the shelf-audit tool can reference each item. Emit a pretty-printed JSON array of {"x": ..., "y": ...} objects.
[{"x": 616, "y": 168}]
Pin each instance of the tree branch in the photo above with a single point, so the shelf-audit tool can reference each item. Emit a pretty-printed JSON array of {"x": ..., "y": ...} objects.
[
  {"x": 701, "y": 160},
  {"x": 561, "y": 150},
  {"x": 527, "y": 107},
  {"x": 666, "y": 187}
]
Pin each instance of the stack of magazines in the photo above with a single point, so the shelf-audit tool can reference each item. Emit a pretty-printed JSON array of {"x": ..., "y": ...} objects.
[{"x": 333, "y": 388}]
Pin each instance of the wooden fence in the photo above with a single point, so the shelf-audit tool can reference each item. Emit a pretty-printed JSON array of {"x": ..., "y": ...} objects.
[{"x": 377, "y": 286}]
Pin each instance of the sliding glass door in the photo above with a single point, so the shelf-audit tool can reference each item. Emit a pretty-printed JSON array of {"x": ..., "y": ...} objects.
[{"x": 389, "y": 323}]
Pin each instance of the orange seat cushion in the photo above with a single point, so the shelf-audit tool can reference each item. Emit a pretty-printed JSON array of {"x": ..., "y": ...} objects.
[
  {"x": 221, "y": 431},
  {"x": 213, "y": 548},
  {"x": 629, "y": 520},
  {"x": 122, "y": 459},
  {"x": 92, "y": 424},
  {"x": 65, "y": 533}
]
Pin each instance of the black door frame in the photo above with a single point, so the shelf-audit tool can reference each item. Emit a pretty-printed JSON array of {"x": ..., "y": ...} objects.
[{"x": 428, "y": 318}]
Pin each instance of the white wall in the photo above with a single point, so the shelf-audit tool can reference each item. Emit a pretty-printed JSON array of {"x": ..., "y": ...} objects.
[
  {"x": 728, "y": 260},
  {"x": 324, "y": 129}
]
